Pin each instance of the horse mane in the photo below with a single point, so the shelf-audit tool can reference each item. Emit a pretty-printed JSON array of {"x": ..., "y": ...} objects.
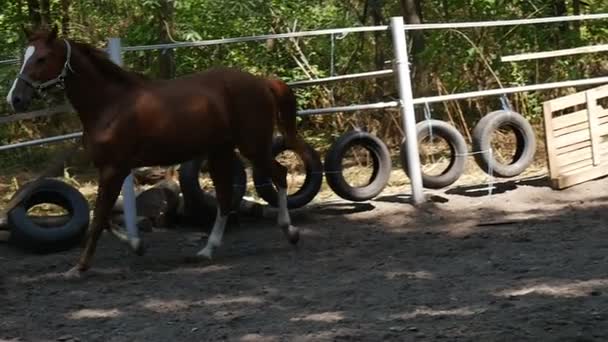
[{"x": 108, "y": 68}]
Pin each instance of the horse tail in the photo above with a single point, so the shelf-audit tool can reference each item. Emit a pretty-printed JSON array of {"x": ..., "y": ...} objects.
[{"x": 286, "y": 115}]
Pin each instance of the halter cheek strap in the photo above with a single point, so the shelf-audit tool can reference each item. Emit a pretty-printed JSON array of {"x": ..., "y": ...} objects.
[{"x": 39, "y": 86}]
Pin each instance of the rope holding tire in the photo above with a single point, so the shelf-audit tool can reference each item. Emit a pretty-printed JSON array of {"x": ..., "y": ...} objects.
[
  {"x": 458, "y": 152},
  {"x": 28, "y": 235},
  {"x": 265, "y": 188},
  {"x": 381, "y": 166},
  {"x": 525, "y": 143}
]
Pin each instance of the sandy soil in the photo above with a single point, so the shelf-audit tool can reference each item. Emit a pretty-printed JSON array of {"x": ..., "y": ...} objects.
[{"x": 527, "y": 263}]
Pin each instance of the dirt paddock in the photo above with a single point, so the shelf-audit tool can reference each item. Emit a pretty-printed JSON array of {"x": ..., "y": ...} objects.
[{"x": 525, "y": 264}]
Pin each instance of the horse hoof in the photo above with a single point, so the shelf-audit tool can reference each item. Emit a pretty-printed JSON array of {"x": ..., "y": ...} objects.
[
  {"x": 137, "y": 246},
  {"x": 206, "y": 253},
  {"x": 293, "y": 234},
  {"x": 73, "y": 273}
]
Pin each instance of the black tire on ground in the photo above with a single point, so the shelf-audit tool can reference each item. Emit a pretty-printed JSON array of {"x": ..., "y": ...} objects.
[
  {"x": 306, "y": 193},
  {"x": 194, "y": 204},
  {"x": 458, "y": 153},
  {"x": 28, "y": 235},
  {"x": 525, "y": 140},
  {"x": 381, "y": 166}
]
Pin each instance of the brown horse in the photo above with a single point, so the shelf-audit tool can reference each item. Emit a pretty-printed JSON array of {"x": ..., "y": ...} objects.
[{"x": 129, "y": 122}]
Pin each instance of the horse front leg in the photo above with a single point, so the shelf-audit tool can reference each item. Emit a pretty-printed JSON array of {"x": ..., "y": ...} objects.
[{"x": 110, "y": 180}]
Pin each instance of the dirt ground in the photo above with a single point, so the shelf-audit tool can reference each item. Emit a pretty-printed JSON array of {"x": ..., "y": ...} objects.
[{"x": 527, "y": 263}]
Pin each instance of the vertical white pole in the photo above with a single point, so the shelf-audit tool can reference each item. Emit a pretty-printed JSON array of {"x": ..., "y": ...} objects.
[
  {"x": 128, "y": 188},
  {"x": 401, "y": 64}
]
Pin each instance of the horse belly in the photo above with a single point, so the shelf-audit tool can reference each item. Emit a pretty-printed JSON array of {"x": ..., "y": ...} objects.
[{"x": 178, "y": 138}]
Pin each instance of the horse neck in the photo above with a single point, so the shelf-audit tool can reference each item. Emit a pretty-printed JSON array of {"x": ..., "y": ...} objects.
[{"x": 90, "y": 91}]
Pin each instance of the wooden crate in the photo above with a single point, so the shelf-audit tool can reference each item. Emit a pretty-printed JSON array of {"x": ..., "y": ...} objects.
[{"x": 577, "y": 142}]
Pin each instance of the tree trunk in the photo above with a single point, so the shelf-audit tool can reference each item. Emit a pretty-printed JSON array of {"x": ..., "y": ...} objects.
[
  {"x": 576, "y": 8},
  {"x": 412, "y": 14},
  {"x": 560, "y": 9},
  {"x": 33, "y": 9},
  {"x": 375, "y": 11},
  {"x": 377, "y": 19},
  {"x": 166, "y": 57},
  {"x": 45, "y": 10},
  {"x": 65, "y": 17}
]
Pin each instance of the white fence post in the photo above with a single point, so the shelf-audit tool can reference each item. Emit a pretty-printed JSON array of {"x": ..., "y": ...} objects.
[
  {"x": 406, "y": 106},
  {"x": 128, "y": 188}
]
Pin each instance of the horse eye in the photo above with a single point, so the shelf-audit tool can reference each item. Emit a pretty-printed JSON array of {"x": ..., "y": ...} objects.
[{"x": 41, "y": 60}]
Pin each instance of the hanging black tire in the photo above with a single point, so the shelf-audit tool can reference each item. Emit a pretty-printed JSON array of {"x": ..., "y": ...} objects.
[
  {"x": 525, "y": 143},
  {"x": 195, "y": 206},
  {"x": 458, "y": 153},
  {"x": 28, "y": 235},
  {"x": 381, "y": 166},
  {"x": 306, "y": 193}
]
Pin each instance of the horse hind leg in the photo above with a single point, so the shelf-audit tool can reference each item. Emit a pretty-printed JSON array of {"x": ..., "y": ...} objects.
[
  {"x": 220, "y": 170},
  {"x": 279, "y": 178}
]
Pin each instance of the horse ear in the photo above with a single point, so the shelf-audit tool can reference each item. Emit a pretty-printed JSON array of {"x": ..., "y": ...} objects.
[{"x": 53, "y": 34}]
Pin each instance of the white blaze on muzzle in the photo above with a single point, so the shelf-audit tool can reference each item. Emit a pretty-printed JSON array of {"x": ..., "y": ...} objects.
[{"x": 29, "y": 52}]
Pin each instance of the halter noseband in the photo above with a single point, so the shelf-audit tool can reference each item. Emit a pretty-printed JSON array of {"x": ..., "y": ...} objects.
[{"x": 39, "y": 86}]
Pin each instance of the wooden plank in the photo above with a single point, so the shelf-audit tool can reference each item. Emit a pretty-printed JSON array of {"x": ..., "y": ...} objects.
[
  {"x": 575, "y": 166},
  {"x": 580, "y": 170},
  {"x": 582, "y": 154},
  {"x": 567, "y": 101},
  {"x": 580, "y": 177},
  {"x": 570, "y": 119},
  {"x": 570, "y": 129},
  {"x": 575, "y": 156},
  {"x": 549, "y": 139},
  {"x": 577, "y": 143},
  {"x": 584, "y": 126},
  {"x": 600, "y": 92},
  {"x": 592, "y": 110},
  {"x": 573, "y": 147},
  {"x": 602, "y": 129},
  {"x": 571, "y": 138}
]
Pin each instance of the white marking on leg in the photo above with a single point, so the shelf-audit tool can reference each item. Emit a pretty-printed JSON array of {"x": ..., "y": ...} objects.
[
  {"x": 29, "y": 52},
  {"x": 283, "y": 219},
  {"x": 217, "y": 234}
]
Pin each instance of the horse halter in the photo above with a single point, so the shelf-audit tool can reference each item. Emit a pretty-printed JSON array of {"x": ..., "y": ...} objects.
[{"x": 39, "y": 86}]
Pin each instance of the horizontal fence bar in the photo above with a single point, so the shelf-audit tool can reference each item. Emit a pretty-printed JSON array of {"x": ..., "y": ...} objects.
[
  {"x": 35, "y": 114},
  {"x": 352, "y": 108},
  {"x": 369, "y": 74},
  {"x": 255, "y": 38},
  {"x": 544, "y": 86},
  {"x": 41, "y": 141},
  {"x": 510, "y": 22},
  {"x": 554, "y": 53},
  {"x": 9, "y": 61}
]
